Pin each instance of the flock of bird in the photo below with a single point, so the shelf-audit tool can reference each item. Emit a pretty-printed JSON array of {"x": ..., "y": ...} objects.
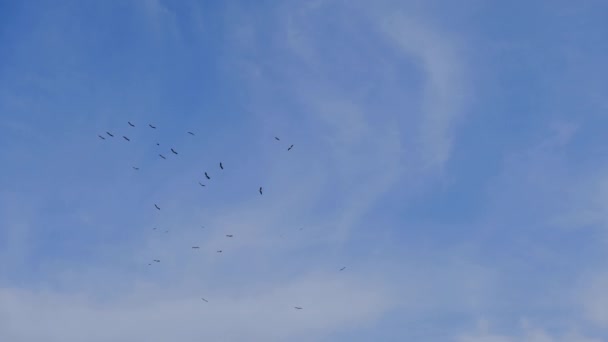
[{"x": 221, "y": 165}]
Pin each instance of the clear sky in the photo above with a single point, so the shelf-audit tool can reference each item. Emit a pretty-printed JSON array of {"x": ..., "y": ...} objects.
[{"x": 451, "y": 155}]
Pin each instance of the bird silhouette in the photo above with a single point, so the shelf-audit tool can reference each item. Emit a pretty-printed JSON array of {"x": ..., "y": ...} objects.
[
  {"x": 205, "y": 300},
  {"x": 157, "y": 144},
  {"x": 127, "y": 139},
  {"x": 206, "y": 175},
  {"x": 135, "y": 168},
  {"x": 229, "y": 235},
  {"x": 157, "y": 207},
  {"x": 201, "y": 184},
  {"x": 130, "y": 124},
  {"x": 162, "y": 156},
  {"x": 221, "y": 166},
  {"x": 190, "y": 133},
  {"x": 102, "y": 138},
  {"x": 298, "y": 308},
  {"x": 220, "y": 251},
  {"x": 260, "y": 190},
  {"x": 290, "y": 147},
  {"x": 156, "y": 260},
  {"x": 154, "y": 127},
  {"x": 277, "y": 138},
  {"x": 110, "y": 134},
  {"x": 195, "y": 247},
  {"x": 342, "y": 269},
  {"x": 172, "y": 150}
]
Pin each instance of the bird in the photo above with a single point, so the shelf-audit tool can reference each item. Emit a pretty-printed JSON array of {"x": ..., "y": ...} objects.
[
  {"x": 206, "y": 175},
  {"x": 102, "y": 138},
  {"x": 127, "y": 139},
  {"x": 110, "y": 134},
  {"x": 277, "y": 138},
  {"x": 220, "y": 251},
  {"x": 190, "y": 133},
  {"x": 201, "y": 184},
  {"x": 172, "y": 150},
  {"x": 149, "y": 264},
  {"x": 221, "y": 166},
  {"x": 156, "y": 260},
  {"x": 229, "y": 235},
  {"x": 156, "y": 206},
  {"x": 135, "y": 168},
  {"x": 298, "y": 308},
  {"x": 195, "y": 247},
  {"x": 154, "y": 228},
  {"x": 153, "y": 127},
  {"x": 290, "y": 147},
  {"x": 130, "y": 124},
  {"x": 157, "y": 144},
  {"x": 342, "y": 269},
  {"x": 205, "y": 300},
  {"x": 162, "y": 156},
  {"x": 260, "y": 190}
]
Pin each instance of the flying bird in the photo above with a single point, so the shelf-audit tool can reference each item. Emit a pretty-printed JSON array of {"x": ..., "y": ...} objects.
[
  {"x": 162, "y": 156},
  {"x": 221, "y": 166},
  {"x": 195, "y": 247},
  {"x": 206, "y": 175},
  {"x": 190, "y": 133},
  {"x": 156, "y": 260},
  {"x": 229, "y": 235},
  {"x": 342, "y": 269},
  {"x": 156, "y": 206},
  {"x": 157, "y": 144},
  {"x": 220, "y": 251},
  {"x": 154, "y": 127},
  {"x": 127, "y": 139},
  {"x": 172, "y": 150},
  {"x": 201, "y": 184},
  {"x": 277, "y": 138},
  {"x": 130, "y": 124},
  {"x": 205, "y": 300},
  {"x": 298, "y": 308},
  {"x": 154, "y": 228},
  {"x": 260, "y": 190},
  {"x": 135, "y": 168},
  {"x": 102, "y": 138},
  {"x": 290, "y": 147},
  {"x": 110, "y": 134}
]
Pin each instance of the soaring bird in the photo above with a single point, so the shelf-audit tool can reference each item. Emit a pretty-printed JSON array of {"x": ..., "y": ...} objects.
[
  {"x": 201, "y": 184},
  {"x": 154, "y": 228},
  {"x": 190, "y": 133},
  {"x": 156, "y": 260},
  {"x": 195, "y": 247},
  {"x": 342, "y": 269},
  {"x": 162, "y": 156},
  {"x": 290, "y": 147},
  {"x": 277, "y": 138},
  {"x": 127, "y": 139},
  {"x": 110, "y": 134},
  {"x": 102, "y": 138},
  {"x": 229, "y": 235},
  {"x": 156, "y": 206},
  {"x": 135, "y": 168},
  {"x": 221, "y": 166},
  {"x": 130, "y": 124},
  {"x": 157, "y": 144},
  {"x": 220, "y": 251},
  {"x": 205, "y": 300},
  {"x": 298, "y": 308},
  {"x": 154, "y": 127},
  {"x": 260, "y": 190},
  {"x": 172, "y": 150},
  {"x": 206, "y": 175}
]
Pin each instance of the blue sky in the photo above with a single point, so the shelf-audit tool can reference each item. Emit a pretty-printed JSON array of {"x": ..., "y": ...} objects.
[{"x": 450, "y": 155}]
